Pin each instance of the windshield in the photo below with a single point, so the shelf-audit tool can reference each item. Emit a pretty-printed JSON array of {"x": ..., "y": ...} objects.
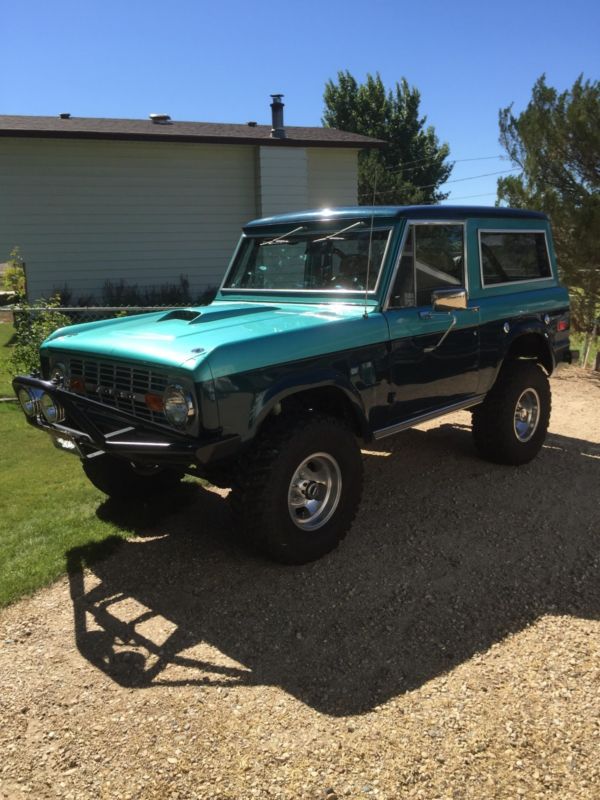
[{"x": 300, "y": 260}]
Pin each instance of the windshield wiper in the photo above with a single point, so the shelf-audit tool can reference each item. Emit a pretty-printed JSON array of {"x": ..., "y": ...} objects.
[
  {"x": 282, "y": 237},
  {"x": 337, "y": 233}
]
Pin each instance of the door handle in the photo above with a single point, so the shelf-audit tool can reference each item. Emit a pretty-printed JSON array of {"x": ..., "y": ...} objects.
[
  {"x": 444, "y": 335},
  {"x": 433, "y": 314}
]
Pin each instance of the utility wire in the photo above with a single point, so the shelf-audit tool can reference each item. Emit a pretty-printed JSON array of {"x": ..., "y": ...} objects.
[
  {"x": 456, "y": 161},
  {"x": 469, "y": 196},
  {"x": 472, "y": 178},
  {"x": 454, "y": 180}
]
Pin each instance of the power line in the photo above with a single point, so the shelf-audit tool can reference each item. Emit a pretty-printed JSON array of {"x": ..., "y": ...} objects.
[
  {"x": 469, "y": 196},
  {"x": 404, "y": 171},
  {"x": 454, "y": 180},
  {"x": 406, "y": 166},
  {"x": 480, "y": 158},
  {"x": 472, "y": 178},
  {"x": 455, "y": 161}
]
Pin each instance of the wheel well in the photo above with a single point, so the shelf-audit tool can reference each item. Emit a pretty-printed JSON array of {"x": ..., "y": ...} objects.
[
  {"x": 531, "y": 345},
  {"x": 327, "y": 400}
]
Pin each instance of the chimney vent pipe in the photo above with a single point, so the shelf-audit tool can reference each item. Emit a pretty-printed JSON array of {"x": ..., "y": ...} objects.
[{"x": 277, "y": 129}]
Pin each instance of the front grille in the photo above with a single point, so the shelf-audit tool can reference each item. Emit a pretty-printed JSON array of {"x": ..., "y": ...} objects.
[{"x": 119, "y": 386}]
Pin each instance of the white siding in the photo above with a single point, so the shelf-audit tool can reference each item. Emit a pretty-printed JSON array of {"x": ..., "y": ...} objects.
[
  {"x": 283, "y": 181},
  {"x": 332, "y": 177},
  {"x": 84, "y": 212}
]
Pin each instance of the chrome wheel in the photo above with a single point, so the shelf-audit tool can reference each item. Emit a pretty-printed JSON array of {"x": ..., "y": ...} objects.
[
  {"x": 527, "y": 415},
  {"x": 314, "y": 492}
]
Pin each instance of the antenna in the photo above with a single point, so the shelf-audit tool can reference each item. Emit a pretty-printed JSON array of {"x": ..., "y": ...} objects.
[{"x": 366, "y": 311}]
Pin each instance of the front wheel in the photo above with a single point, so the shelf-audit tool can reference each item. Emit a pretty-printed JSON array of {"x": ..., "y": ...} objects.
[
  {"x": 510, "y": 426},
  {"x": 297, "y": 492},
  {"x": 123, "y": 479}
]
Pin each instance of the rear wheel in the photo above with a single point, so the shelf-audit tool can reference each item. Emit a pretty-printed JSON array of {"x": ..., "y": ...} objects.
[
  {"x": 122, "y": 479},
  {"x": 297, "y": 492},
  {"x": 510, "y": 426}
]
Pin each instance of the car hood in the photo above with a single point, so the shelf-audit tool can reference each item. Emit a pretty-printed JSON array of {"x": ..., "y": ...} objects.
[{"x": 226, "y": 336}]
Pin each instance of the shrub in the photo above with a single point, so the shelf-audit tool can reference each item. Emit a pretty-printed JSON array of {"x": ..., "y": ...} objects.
[
  {"x": 32, "y": 326},
  {"x": 207, "y": 296},
  {"x": 14, "y": 279},
  {"x": 123, "y": 294},
  {"x": 167, "y": 294},
  {"x": 67, "y": 298}
]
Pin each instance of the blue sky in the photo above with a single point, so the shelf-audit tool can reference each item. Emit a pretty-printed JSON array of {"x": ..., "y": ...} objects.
[{"x": 219, "y": 62}]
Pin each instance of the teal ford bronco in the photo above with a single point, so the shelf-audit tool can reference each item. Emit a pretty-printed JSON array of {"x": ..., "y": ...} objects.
[{"x": 331, "y": 328}]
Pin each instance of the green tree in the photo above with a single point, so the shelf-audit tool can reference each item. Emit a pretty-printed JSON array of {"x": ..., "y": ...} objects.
[
  {"x": 412, "y": 167},
  {"x": 555, "y": 142}
]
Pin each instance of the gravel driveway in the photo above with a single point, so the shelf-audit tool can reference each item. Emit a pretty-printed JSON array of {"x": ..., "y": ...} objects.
[{"x": 449, "y": 649}]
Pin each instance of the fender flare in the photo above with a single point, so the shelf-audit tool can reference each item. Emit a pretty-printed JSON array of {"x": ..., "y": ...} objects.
[
  {"x": 529, "y": 328},
  {"x": 309, "y": 381}
]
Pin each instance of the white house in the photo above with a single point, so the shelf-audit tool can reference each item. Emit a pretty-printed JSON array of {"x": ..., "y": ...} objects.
[{"x": 94, "y": 200}]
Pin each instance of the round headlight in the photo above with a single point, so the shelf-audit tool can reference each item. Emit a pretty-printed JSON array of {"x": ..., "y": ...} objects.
[
  {"x": 58, "y": 374},
  {"x": 51, "y": 410},
  {"x": 178, "y": 405},
  {"x": 28, "y": 403}
]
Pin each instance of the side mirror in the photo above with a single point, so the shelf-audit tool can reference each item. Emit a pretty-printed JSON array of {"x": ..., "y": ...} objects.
[{"x": 449, "y": 299}]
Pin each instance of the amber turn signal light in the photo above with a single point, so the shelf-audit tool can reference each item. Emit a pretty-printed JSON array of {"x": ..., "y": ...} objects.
[
  {"x": 154, "y": 402},
  {"x": 77, "y": 385}
]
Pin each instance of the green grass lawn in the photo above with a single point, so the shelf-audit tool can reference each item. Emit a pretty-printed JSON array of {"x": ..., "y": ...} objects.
[
  {"x": 6, "y": 336},
  {"x": 47, "y": 507}
]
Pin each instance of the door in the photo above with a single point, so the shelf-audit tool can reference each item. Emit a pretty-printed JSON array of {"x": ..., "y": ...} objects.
[{"x": 434, "y": 355}]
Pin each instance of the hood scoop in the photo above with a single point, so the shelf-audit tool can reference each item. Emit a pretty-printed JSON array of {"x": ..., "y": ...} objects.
[
  {"x": 181, "y": 313},
  {"x": 230, "y": 313},
  {"x": 194, "y": 317}
]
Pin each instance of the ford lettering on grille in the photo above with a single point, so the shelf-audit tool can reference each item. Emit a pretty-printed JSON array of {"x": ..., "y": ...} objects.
[{"x": 120, "y": 386}]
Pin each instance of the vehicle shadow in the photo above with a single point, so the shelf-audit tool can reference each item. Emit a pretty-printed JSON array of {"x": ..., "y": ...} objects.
[{"x": 448, "y": 555}]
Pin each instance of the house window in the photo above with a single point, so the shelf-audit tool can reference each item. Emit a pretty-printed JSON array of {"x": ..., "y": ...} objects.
[
  {"x": 433, "y": 258},
  {"x": 513, "y": 256}
]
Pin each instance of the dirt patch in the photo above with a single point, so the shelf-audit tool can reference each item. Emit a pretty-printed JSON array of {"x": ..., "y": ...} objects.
[{"x": 449, "y": 649}]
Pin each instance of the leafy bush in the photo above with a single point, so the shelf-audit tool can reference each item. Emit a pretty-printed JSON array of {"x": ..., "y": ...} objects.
[
  {"x": 167, "y": 294},
  {"x": 14, "y": 276},
  {"x": 123, "y": 294},
  {"x": 32, "y": 326},
  {"x": 67, "y": 298},
  {"x": 207, "y": 296}
]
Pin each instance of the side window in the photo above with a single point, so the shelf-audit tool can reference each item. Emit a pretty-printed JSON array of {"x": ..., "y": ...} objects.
[
  {"x": 432, "y": 258},
  {"x": 510, "y": 256},
  {"x": 439, "y": 259},
  {"x": 403, "y": 293}
]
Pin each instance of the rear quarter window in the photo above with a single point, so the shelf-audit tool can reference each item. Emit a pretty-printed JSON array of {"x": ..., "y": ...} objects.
[{"x": 513, "y": 257}]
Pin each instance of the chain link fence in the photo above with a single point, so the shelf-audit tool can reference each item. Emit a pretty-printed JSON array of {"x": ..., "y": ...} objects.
[
  {"x": 77, "y": 314},
  {"x": 33, "y": 323}
]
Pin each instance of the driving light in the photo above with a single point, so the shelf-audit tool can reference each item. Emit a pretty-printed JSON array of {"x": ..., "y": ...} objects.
[
  {"x": 51, "y": 410},
  {"x": 178, "y": 406},
  {"x": 28, "y": 402}
]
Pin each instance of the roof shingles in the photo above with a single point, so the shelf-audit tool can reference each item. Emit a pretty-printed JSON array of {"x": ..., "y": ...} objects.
[{"x": 211, "y": 132}]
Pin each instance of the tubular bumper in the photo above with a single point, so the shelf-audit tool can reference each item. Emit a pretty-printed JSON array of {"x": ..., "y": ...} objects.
[{"x": 94, "y": 429}]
